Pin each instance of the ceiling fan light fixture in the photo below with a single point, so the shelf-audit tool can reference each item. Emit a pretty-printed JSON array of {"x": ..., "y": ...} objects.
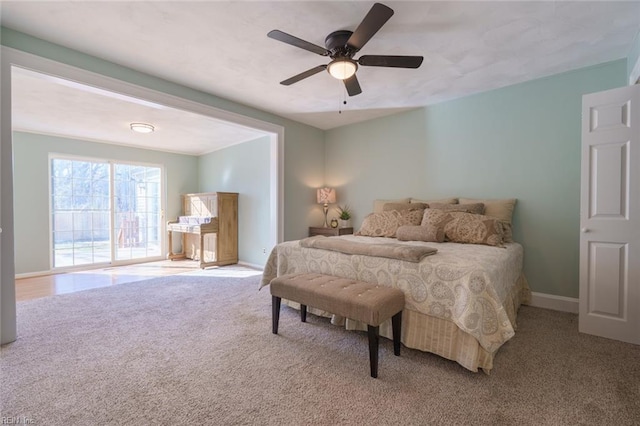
[
  {"x": 342, "y": 68},
  {"x": 142, "y": 127}
]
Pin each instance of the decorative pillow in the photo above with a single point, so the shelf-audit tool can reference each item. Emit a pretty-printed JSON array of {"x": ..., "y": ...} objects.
[
  {"x": 500, "y": 209},
  {"x": 474, "y": 229},
  {"x": 477, "y": 208},
  {"x": 385, "y": 224},
  {"x": 378, "y": 205},
  {"x": 442, "y": 201},
  {"x": 460, "y": 227},
  {"x": 427, "y": 233},
  {"x": 435, "y": 218},
  {"x": 404, "y": 206}
]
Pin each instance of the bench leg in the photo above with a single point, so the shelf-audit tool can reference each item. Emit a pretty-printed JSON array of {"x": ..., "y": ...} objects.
[
  {"x": 396, "y": 327},
  {"x": 303, "y": 313},
  {"x": 374, "y": 337},
  {"x": 275, "y": 313}
]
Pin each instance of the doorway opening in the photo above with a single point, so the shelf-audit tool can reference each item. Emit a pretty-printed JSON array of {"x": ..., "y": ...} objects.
[{"x": 12, "y": 58}]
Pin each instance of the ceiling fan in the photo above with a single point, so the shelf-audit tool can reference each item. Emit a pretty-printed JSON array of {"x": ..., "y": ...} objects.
[{"x": 342, "y": 45}]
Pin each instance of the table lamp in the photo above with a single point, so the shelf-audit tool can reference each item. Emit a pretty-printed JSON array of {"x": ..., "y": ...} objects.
[{"x": 326, "y": 196}]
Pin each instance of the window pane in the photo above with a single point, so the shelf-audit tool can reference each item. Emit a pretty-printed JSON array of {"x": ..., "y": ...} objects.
[{"x": 84, "y": 211}]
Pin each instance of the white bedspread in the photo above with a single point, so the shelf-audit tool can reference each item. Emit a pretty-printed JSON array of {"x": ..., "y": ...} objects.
[{"x": 464, "y": 283}]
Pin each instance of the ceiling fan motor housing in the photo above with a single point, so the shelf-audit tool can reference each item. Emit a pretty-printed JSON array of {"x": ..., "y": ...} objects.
[{"x": 336, "y": 44}]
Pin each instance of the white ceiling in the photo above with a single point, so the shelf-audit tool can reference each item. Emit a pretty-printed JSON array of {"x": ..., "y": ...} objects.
[
  {"x": 49, "y": 105},
  {"x": 222, "y": 48}
]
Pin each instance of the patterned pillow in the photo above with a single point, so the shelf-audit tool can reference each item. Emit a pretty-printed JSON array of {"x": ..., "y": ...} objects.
[
  {"x": 476, "y": 208},
  {"x": 474, "y": 229},
  {"x": 500, "y": 209},
  {"x": 427, "y": 233},
  {"x": 385, "y": 224},
  {"x": 436, "y": 217},
  {"x": 467, "y": 228},
  {"x": 451, "y": 200},
  {"x": 378, "y": 205},
  {"x": 404, "y": 206}
]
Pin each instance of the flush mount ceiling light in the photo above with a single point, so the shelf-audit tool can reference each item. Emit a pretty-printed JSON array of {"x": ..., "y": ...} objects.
[
  {"x": 142, "y": 127},
  {"x": 342, "y": 68}
]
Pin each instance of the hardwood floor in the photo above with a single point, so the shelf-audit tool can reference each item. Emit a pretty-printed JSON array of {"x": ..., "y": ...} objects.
[{"x": 49, "y": 285}]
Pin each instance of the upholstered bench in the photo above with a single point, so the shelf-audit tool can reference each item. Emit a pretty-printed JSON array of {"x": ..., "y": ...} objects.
[{"x": 357, "y": 300}]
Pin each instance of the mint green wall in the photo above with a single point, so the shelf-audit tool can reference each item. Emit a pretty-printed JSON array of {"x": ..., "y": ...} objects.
[
  {"x": 303, "y": 145},
  {"x": 634, "y": 55},
  {"x": 243, "y": 168},
  {"x": 521, "y": 141},
  {"x": 31, "y": 187}
]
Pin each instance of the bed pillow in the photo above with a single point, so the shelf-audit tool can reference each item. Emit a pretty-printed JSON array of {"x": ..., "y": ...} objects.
[
  {"x": 432, "y": 234},
  {"x": 378, "y": 205},
  {"x": 476, "y": 208},
  {"x": 452, "y": 200},
  {"x": 385, "y": 224},
  {"x": 474, "y": 229},
  {"x": 469, "y": 228},
  {"x": 435, "y": 217},
  {"x": 404, "y": 206},
  {"x": 500, "y": 209}
]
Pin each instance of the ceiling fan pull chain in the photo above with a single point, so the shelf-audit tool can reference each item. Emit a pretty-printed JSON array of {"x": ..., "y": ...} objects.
[{"x": 344, "y": 100}]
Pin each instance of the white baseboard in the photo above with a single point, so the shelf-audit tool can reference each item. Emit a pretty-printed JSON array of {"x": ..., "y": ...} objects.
[
  {"x": 556, "y": 303},
  {"x": 251, "y": 265}
]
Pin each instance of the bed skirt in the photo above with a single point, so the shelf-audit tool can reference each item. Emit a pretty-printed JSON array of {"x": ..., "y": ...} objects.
[{"x": 440, "y": 336}]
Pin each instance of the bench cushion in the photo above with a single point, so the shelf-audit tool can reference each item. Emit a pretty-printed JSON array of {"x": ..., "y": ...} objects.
[{"x": 358, "y": 300}]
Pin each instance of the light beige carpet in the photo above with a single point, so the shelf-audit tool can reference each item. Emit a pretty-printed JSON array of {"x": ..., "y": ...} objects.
[{"x": 199, "y": 350}]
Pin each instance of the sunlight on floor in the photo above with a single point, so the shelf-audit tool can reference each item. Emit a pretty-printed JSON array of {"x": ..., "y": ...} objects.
[
  {"x": 70, "y": 282},
  {"x": 234, "y": 271}
]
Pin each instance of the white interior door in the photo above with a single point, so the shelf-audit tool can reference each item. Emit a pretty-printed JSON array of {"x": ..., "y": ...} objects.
[{"x": 610, "y": 215}]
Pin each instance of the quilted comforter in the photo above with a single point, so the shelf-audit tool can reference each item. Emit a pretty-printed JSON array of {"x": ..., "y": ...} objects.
[{"x": 467, "y": 284}]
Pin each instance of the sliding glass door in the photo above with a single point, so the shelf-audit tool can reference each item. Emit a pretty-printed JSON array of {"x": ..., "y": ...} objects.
[
  {"x": 104, "y": 212},
  {"x": 138, "y": 213}
]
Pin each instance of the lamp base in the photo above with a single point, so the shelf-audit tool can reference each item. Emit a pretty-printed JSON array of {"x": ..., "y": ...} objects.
[{"x": 325, "y": 208}]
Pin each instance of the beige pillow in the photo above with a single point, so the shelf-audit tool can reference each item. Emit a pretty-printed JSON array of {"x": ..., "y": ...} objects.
[
  {"x": 378, "y": 205},
  {"x": 469, "y": 228},
  {"x": 476, "y": 208},
  {"x": 404, "y": 206},
  {"x": 442, "y": 201},
  {"x": 500, "y": 209},
  {"x": 385, "y": 224},
  {"x": 427, "y": 233},
  {"x": 436, "y": 218}
]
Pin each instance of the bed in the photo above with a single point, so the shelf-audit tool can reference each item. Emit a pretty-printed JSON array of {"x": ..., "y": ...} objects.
[{"x": 461, "y": 302}]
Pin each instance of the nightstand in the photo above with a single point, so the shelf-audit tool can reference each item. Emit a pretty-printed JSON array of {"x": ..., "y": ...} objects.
[{"x": 329, "y": 232}]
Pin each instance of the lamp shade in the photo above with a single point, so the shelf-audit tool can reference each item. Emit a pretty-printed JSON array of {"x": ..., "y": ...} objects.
[{"x": 326, "y": 195}]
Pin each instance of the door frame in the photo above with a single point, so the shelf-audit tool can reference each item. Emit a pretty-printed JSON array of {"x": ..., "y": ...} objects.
[{"x": 9, "y": 58}]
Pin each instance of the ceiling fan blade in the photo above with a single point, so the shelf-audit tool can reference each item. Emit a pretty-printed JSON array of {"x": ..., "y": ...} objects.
[
  {"x": 375, "y": 19},
  {"x": 303, "y": 75},
  {"x": 352, "y": 85},
  {"x": 390, "y": 61},
  {"x": 297, "y": 42}
]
